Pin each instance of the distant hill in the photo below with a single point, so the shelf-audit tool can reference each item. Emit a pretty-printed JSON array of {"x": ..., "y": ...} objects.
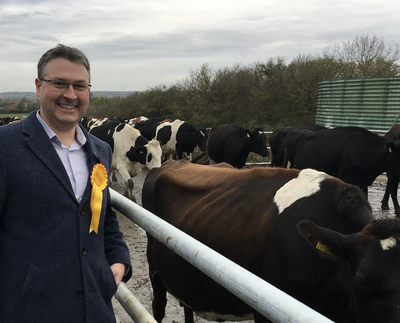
[
  {"x": 20, "y": 95},
  {"x": 32, "y": 95}
]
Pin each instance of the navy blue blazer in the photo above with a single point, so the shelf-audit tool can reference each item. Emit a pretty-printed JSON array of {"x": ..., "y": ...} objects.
[{"x": 51, "y": 268}]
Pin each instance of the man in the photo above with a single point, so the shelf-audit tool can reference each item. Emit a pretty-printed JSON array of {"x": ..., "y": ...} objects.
[{"x": 62, "y": 254}]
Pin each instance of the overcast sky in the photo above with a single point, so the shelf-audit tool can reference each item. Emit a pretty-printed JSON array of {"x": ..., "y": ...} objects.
[{"x": 134, "y": 45}]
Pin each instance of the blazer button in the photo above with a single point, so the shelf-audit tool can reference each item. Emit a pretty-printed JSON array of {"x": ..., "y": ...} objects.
[
  {"x": 80, "y": 294},
  {"x": 83, "y": 252},
  {"x": 82, "y": 212}
]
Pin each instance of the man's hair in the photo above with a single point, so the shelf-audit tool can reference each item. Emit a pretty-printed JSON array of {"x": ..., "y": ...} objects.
[{"x": 62, "y": 51}]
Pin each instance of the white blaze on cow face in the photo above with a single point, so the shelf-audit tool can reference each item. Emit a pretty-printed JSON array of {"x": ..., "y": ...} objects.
[
  {"x": 154, "y": 154},
  {"x": 305, "y": 184},
  {"x": 388, "y": 243}
]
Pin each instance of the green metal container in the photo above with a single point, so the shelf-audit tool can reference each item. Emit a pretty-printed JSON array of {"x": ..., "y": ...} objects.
[{"x": 371, "y": 103}]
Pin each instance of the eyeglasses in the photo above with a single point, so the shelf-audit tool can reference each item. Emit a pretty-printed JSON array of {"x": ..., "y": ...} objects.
[{"x": 64, "y": 85}]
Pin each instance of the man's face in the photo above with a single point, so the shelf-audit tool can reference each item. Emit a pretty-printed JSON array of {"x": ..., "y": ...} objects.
[{"x": 62, "y": 109}]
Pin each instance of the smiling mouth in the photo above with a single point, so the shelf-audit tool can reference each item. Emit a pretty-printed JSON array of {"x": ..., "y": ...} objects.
[{"x": 67, "y": 106}]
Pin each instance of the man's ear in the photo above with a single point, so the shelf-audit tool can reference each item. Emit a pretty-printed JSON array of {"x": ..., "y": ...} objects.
[{"x": 38, "y": 85}]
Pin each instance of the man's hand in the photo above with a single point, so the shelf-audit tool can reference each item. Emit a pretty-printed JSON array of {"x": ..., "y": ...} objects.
[{"x": 119, "y": 271}]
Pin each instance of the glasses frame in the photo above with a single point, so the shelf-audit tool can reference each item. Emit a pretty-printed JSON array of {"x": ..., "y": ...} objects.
[{"x": 88, "y": 86}]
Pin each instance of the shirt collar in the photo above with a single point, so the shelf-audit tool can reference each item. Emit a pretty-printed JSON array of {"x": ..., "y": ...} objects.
[{"x": 80, "y": 136}]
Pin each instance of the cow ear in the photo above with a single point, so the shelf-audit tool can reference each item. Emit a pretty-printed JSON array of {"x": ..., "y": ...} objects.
[
  {"x": 389, "y": 146},
  {"x": 326, "y": 242}
]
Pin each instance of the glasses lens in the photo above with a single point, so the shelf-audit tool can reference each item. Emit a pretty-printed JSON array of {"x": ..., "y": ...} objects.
[
  {"x": 79, "y": 86},
  {"x": 60, "y": 84}
]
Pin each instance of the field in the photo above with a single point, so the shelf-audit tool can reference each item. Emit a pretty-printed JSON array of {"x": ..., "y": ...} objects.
[{"x": 11, "y": 115}]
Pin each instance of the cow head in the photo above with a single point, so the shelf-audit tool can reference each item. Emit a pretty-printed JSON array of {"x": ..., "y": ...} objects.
[
  {"x": 137, "y": 154},
  {"x": 201, "y": 138},
  {"x": 154, "y": 154},
  {"x": 258, "y": 141},
  {"x": 393, "y": 160},
  {"x": 373, "y": 257}
]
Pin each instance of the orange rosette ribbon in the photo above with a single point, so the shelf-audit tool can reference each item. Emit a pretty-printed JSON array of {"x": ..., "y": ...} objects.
[{"x": 98, "y": 179}]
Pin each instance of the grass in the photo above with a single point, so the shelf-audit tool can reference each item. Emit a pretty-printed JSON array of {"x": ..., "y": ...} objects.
[{"x": 19, "y": 115}]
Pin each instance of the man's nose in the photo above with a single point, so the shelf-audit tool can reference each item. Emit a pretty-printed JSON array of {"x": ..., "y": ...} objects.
[{"x": 70, "y": 92}]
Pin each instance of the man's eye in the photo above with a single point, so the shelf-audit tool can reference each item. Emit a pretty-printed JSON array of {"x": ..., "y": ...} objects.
[
  {"x": 78, "y": 86},
  {"x": 59, "y": 84}
]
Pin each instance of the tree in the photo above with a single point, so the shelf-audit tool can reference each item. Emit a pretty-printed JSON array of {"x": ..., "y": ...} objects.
[{"x": 366, "y": 56}]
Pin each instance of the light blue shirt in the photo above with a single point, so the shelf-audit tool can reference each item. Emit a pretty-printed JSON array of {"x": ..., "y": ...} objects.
[{"x": 73, "y": 158}]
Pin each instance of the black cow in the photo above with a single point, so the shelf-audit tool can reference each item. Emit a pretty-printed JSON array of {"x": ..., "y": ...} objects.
[
  {"x": 392, "y": 176},
  {"x": 277, "y": 142},
  {"x": 353, "y": 154},
  {"x": 290, "y": 144},
  {"x": 305, "y": 232},
  {"x": 232, "y": 144}
]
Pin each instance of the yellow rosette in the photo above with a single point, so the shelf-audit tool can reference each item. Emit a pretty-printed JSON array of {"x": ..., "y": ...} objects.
[{"x": 98, "y": 179}]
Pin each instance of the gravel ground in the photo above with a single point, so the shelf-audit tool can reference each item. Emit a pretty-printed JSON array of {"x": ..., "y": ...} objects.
[{"x": 135, "y": 237}]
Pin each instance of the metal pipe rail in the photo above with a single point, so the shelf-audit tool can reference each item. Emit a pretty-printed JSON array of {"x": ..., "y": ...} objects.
[
  {"x": 257, "y": 293},
  {"x": 132, "y": 305}
]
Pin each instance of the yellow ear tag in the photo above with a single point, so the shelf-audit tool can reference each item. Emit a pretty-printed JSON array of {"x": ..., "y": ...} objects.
[
  {"x": 323, "y": 248},
  {"x": 98, "y": 179},
  {"x": 390, "y": 149},
  {"x": 248, "y": 135}
]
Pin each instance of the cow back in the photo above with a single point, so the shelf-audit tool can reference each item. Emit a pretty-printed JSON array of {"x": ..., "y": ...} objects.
[
  {"x": 352, "y": 154},
  {"x": 277, "y": 142}
]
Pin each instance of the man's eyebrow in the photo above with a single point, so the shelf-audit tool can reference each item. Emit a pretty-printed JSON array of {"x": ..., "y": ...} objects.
[{"x": 65, "y": 80}]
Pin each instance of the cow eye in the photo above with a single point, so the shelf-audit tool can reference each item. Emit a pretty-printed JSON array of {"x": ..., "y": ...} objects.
[{"x": 362, "y": 283}]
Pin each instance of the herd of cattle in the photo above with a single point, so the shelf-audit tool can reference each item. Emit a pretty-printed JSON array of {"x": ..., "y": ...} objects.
[
  {"x": 303, "y": 225},
  {"x": 308, "y": 231},
  {"x": 143, "y": 142}
]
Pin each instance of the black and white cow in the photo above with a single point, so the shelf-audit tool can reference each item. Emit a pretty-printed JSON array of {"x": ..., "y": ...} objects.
[
  {"x": 89, "y": 122},
  {"x": 7, "y": 120},
  {"x": 305, "y": 232},
  {"x": 133, "y": 121},
  {"x": 148, "y": 127},
  {"x": 232, "y": 144},
  {"x": 179, "y": 137},
  {"x": 131, "y": 151}
]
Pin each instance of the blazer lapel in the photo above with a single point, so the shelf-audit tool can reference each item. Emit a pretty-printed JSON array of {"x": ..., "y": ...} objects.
[
  {"x": 95, "y": 154},
  {"x": 40, "y": 144}
]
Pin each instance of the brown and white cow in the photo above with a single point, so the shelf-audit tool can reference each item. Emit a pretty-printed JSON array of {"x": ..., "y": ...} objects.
[{"x": 307, "y": 233}]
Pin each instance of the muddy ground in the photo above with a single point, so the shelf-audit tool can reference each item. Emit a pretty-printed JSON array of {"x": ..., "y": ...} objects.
[{"x": 136, "y": 240}]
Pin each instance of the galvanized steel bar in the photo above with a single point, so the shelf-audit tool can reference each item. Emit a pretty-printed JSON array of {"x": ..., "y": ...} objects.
[
  {"x": 257, "y": 293},
  {"x": 132, "y": 305}
]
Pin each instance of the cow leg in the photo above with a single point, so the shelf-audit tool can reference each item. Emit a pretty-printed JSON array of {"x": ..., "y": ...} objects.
[
  {"x": 128, "y": 181},
  {"x": 258, "y": 318},
  {"x": 385, "y": 199},
  {"x": 188, "y": 314},
  {"x": 130, "y": 186},
  {"x": 159, "y": 297},
  {"x": 393, "y": 193}
]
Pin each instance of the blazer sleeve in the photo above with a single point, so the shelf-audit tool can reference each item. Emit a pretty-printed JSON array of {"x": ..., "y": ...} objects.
[{"x": 116, "y": 250}]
